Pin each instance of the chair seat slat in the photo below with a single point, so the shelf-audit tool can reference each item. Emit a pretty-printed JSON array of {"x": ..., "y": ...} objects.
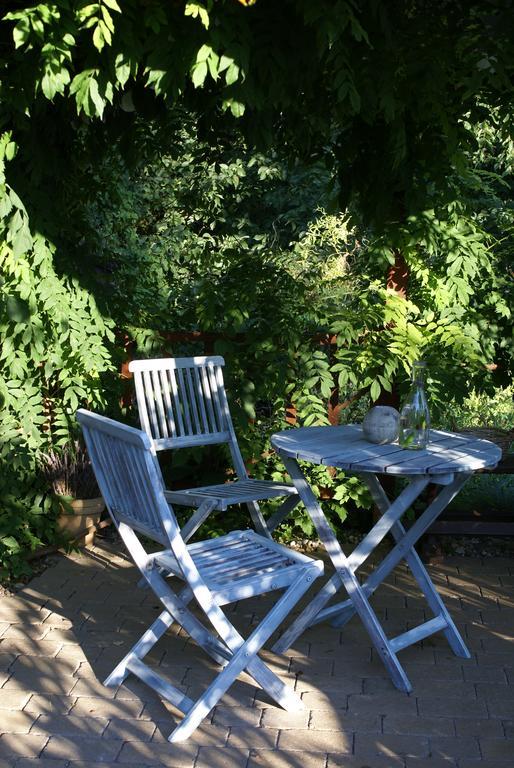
[
  {"x": 236, "y": 492},
  {"x": 211, "y": 558},
  {"x": 236, "y": 548},
  {"x": 252, "y": 587},
  {"x": 251, "y": 564},
  {"x": 235, "y": 575},
  {"x": 190, "y": 441},
  {"x": 243, "y": 555},
  {"x": 230, "y": 567}
]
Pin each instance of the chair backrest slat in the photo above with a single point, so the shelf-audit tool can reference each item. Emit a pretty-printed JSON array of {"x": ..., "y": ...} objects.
[
  {"x": 188, "y": 373},
  {"x": 208, "y": 399},
  {"x": 199, "y": 392},
  {"x": 165, "y": 387},
  {"x": 182, "y": 401},
  {"x": 143, "y": 385},
  {"x": 214, "y": 386},
  {"x": 222, "y": 397},
  {"x": 159, "y": 403}
]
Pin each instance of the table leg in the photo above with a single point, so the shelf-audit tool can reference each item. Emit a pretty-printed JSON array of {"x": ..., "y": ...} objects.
[
  {"x": 418, "y": 570},
  {"x": 345, "y": 568},
  {"x": 314, "y": 612},
  {"x": 347, "y": 578},
  {"x": 404, "y": 544}
]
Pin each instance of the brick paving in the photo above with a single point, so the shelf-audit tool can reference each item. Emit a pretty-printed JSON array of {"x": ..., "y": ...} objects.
[{"x": 65, "y": 631}]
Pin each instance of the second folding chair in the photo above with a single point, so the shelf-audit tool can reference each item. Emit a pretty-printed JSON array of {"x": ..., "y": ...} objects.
[
  {"x": 182, "y": 403},
  {"x": 210, "y": 574}
]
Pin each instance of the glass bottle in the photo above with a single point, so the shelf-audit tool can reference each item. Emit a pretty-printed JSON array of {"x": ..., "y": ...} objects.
[{"x": 414, "y": 416}]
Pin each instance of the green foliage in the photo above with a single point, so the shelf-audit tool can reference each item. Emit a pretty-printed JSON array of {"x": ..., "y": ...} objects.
[
  {"x": 481, "y": 409},
  {"x": 117, "y": 212},
  {"x": 53, "y": 353},
  {"x": 453, "y": 285}
]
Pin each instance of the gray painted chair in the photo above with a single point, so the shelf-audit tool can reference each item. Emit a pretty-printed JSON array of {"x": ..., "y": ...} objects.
[
  {"x": 208, "y": 574},
  {"x": 182, "y": 403}
]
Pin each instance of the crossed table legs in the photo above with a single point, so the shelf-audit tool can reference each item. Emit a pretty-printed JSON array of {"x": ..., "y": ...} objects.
[{"x": 359, "y": 594}]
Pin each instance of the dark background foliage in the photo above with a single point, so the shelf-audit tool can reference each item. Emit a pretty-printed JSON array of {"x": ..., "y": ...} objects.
[{"x": 277, "y": 176}]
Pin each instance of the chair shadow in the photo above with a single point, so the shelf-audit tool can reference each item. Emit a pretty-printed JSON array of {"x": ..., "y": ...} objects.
[{"x": 92, "y": 612}]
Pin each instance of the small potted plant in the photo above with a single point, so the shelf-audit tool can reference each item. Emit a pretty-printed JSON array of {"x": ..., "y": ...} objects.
[{"x": 71, "y": 477}]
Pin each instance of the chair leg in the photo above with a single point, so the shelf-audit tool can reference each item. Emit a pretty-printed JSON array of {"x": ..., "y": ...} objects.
[
  {"x": 258, "y": 519},
  {"x": 143, "y": 646},
  {"x": 262, "y": 675},
  {"x": 308, "y": 616},
  {"x": 221, "y": 650},
  {"x": 282, "y": 512},
  {"x": 195, "y": 521},
  {"x": 229, "y": 649},
  {"x": 243, "y": 658}
]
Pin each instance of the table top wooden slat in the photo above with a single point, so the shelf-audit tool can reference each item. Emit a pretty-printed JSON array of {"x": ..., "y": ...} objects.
[{"x": 346, "y": 448}]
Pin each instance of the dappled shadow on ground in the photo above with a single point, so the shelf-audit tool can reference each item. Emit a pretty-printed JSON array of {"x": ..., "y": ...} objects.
[{"x": 66, "y": 631}]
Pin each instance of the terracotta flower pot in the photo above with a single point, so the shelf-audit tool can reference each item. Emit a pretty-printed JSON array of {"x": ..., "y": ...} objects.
[{"x": 80, "y": 525}]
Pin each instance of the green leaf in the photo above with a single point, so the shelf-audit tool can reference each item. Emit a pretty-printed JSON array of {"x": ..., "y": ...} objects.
[
  {"x": 107, "y": 21},
  {"x": 122, "y": 68},
  {"x": 232, "y": 74},
  {"x": 113, "y": 5},
  {"x": 106, "y": 32},
  {"x": 225, "y": 62},
  {"x": 88, "y": 11},
  {"x": 22, "y": 241},
  {"x": 5, "y": 206},
  {"x": 199, "y": 73},
  {"x": 11, "y": 543},
  {"x": 197, "y": 10},
  {"x": 98, "y": 38},
  {"x": 375, "y": 390},
  {"x": 204, "y": 53},
  {"x": 87, "y": 93},
  {"x": 21, "y": 32},
  {"x": 236, "y": 107},
  {"x": 10, "y": 150}
]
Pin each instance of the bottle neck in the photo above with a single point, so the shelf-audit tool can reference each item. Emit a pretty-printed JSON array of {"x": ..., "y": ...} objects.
[{"x": 418, "y": 375}]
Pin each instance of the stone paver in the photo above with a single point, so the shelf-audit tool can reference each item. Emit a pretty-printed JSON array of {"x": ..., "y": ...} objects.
[{"x": 63, "y": 633}]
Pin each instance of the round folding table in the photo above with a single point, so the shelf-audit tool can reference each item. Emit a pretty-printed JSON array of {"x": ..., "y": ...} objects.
[{"x": 448, "y": 461}]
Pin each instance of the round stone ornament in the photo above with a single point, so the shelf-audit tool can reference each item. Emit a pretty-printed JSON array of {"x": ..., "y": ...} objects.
[{"x": 381, "y": 424}]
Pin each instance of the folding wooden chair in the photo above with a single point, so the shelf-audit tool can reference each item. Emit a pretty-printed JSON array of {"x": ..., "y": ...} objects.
[
  {"x": 182, "y": 403},
  {"x": 211, "y": 573}
]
